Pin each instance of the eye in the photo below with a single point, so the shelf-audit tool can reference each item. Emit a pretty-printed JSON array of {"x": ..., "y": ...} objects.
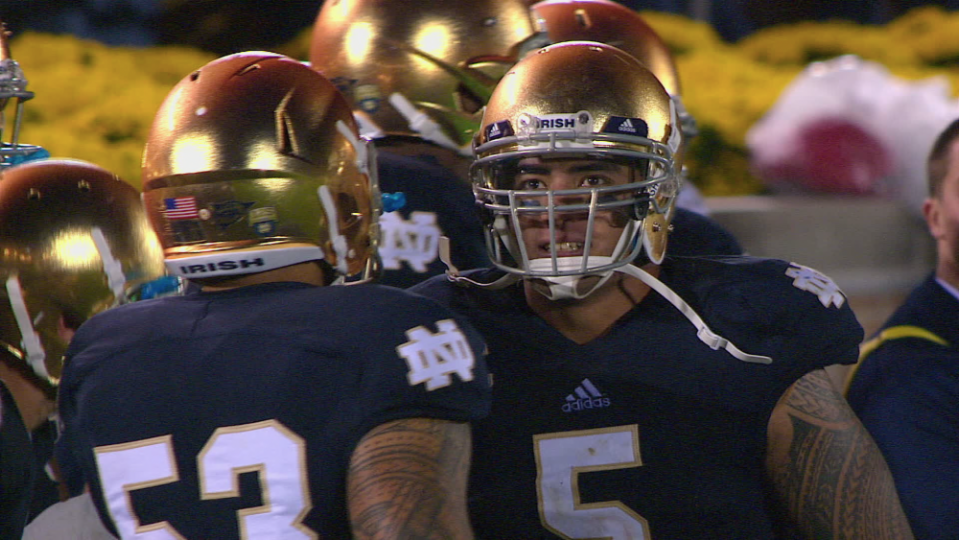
[
  {"x": 530, "y": 184},
  {"x": 595, "y": 181}
]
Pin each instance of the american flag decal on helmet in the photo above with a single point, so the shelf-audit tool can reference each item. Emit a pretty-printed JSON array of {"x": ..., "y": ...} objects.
[{"x": 180, "y": 208}]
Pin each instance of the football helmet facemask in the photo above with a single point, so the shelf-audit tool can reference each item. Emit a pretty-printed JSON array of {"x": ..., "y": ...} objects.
[
  {"x": 423, "y": 71},
  {"x": 584, "y": 101},
  {"x": 254, "y": 162},
  {"x": 75, "y": 241},
  {"x": 13, "y": 91}
]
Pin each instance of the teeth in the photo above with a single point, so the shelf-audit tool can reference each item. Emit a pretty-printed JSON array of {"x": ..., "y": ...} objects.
[{"x": 569, "y": 246}]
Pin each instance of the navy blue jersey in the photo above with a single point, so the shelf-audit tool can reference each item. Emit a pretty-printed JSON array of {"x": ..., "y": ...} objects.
[
  {"x": 16, "y": 468},
  {"x": 211, "y": 410},
  {"x": 906, "y": 391},
  {"x": 438, "y": 203},
  {"x": 645, "y": 432},
  {"x": 694, "y": 234}
]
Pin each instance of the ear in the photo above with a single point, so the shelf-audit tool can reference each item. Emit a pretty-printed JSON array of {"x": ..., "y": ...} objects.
[{"x": 933, "y": 214}]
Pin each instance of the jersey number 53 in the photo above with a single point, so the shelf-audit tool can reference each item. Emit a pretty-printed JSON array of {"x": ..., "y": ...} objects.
[{"x": 267, "y": 447}]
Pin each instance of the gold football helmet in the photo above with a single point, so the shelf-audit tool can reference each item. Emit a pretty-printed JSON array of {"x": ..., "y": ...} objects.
[
  {"x": 75, "y": 241},
  {"x": 612, "y": 23},
  {"x": 577, "y": 100},
  {"x": 254, "y": 162},
  {"x": 421, "y": 69}
]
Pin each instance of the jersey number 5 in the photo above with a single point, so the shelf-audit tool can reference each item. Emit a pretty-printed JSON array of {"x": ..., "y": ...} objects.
[
  {"x": 560, "y": 459},
  {"x": 267, "y": 447}
]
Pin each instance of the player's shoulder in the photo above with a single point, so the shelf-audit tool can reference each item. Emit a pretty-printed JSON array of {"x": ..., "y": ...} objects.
[
  {"x": 127, "y": 316},
  {"x": 777, "y": 295},
  {"x": 773, "y": 279},
  {"x": 389, "y": 309},
  {"x": 466, "y": 290}
]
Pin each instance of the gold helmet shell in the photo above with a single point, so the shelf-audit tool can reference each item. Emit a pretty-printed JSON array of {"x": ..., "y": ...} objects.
[
  {"x": 254, "y": 162},
  {"x": 74, "y": 241},
  {"x": 582, "y": 100},
  {"x": 612, "y": 23},
  {"x": 420, "y": 69}
]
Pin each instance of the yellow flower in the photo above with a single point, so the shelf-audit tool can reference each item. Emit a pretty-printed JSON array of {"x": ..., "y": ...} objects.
[{"x": 97, "y": 103}]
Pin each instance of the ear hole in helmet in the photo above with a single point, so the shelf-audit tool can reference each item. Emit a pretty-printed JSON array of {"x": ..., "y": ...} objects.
[
  {"x": 34, "y": 194},
  {"x": 83, "y": 186}
]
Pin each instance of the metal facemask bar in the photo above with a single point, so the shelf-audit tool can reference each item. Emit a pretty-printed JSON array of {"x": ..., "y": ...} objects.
[
  {"x": 508, "y": 226},
  {"x": 13, "y": 85},
  {"x": 632, "y": 201}
]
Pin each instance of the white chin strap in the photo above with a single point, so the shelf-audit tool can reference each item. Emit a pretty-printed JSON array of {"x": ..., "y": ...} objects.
[
  {"x": 424, "y": 126},
  {"x": 705, "y": 334},
  {"x": 567, "y": 287}
]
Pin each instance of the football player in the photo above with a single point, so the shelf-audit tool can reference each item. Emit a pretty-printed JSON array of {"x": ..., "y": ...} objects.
[
  {"x": 270, "y": 403},
  {"x": 417, "y": 76},
  {"x": 74, "y": 240},
  {"x": 612, "y": 23},
  {"x": 637, "y": 396}
]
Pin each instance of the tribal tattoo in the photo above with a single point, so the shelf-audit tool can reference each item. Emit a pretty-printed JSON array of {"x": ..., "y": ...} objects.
[
  {"x": 827, "y": 470},
  {"x": 407, "y": 480}
]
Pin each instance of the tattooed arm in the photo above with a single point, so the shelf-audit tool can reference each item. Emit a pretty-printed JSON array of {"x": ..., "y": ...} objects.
[
  {"x": 407, "y": 480},
  {"x": 826, "y": 469}
]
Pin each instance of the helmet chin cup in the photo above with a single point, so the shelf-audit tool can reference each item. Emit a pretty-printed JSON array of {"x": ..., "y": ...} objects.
[{"x": 567, "y": 287}]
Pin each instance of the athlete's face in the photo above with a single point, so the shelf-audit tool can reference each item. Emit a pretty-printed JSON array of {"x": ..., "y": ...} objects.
[
  {"x": 572, "y": 227},
  {"x": 942, "y": 215}
]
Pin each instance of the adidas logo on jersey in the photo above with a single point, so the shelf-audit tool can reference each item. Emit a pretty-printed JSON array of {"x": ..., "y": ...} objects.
[{"x": 586, "y": 396}]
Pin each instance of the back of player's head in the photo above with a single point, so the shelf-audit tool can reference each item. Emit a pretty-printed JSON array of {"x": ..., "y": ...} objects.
[
  {"x": 612, "y": 23},
  {"x": 420, "y": 69},
  {"x": 579, "y": 100},
  {"x": 254, "y": 163},
  {"x": 939, "y": 159},
  {"x": 74, "y": 240}
]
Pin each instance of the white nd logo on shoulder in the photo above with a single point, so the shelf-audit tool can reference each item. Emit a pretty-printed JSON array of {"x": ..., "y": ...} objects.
[
  {"x": 415, "y": 241},
  {"x": 433, "y": 358},
  {"x": 807, "y": 279}
]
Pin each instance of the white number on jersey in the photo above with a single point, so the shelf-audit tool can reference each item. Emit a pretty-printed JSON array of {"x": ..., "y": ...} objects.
[
  {"x": 561, "y": 458},
  {"x": 432, "y": 358},
  {"x": 268, "y": 448}
]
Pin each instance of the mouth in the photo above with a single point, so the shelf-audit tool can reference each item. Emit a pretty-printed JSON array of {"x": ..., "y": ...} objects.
[{"x": 564, "y": 249}]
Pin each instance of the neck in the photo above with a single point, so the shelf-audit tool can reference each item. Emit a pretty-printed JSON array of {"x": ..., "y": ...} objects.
[
  {"x": 585, "y": 320},
  {"x": 310, "y": 273},
  {"x": 948, "y": 271}
]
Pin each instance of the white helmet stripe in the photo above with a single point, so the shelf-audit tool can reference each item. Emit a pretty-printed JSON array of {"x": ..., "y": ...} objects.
[
  {"x": 116, "y": 280},
  {"x": 36, "y": 356},
  {"x": 425, "y": 126},
  {"x": 340, "y": 245}
]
